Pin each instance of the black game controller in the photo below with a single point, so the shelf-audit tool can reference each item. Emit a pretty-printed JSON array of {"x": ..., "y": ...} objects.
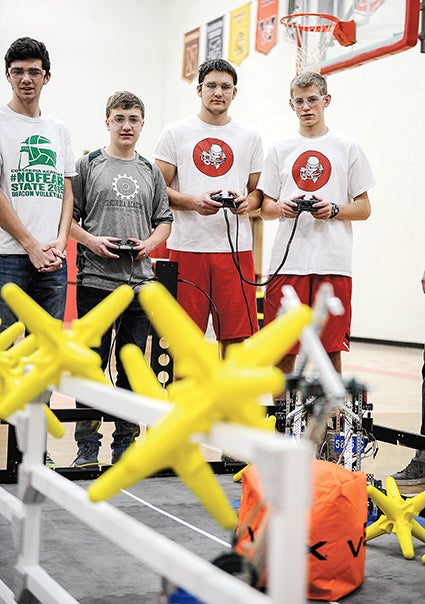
[
  {"x": 228, "y": 201},
  {"x": 126, "y": 247},
  {"x": 305, "y": 205}
]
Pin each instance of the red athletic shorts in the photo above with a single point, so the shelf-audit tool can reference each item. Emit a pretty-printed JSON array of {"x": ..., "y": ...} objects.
[
  {"x": 336, "y": 332},
  {"x": 216, "y": 287}
]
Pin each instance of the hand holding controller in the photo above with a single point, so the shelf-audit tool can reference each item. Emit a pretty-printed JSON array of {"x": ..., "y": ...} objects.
[
  {"x": 228, "y": 201},
  {"x": 305, "y": 204},
  {"x": 126, "y": 247}
]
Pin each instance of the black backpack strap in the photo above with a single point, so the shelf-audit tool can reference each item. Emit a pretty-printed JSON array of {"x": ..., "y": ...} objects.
[
  {"x": 94, "y": 154},
  {"x": 143, "y": 159}
]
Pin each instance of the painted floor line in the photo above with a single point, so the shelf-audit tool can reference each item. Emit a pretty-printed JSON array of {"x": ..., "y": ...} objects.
[
  {"x": 175, "y": 518},
  {"x": 404, "y": 376}
]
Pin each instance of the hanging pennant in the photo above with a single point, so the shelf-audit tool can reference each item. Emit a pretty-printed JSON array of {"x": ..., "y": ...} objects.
[
  {"x": 267, "y": 20},
  {"x": 191, "y": 54},
  {"x": 239, "y": 34},
  {"x": 214, "y": 39}
]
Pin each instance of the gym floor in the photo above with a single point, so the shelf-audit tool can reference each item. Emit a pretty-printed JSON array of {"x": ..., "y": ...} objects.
[
  {"x": 392, "y": 375},
  {"x": 97, "y": 573}
]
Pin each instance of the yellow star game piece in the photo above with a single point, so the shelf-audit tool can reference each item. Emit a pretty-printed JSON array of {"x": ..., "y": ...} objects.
[
  {"x": 54, "y": 350},
  {"x": 210, "y": 389},
  {"x": 398, "y": 516},
  {"x": 12, "y": 369},
  {"x": 188, "y": 463}
]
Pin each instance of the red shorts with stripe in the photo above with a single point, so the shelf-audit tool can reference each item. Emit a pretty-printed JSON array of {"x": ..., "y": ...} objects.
[
  {"x": 214, "y": 286},
  {"x": 335, "y": 335}
]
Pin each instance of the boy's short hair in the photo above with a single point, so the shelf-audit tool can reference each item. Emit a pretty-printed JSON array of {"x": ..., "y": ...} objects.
[
  {"x": 27, "y": 48},
  {"x": 124, "y": 100},
  {"x": 216, "y": 65},
  {"x": 307, "y": 79}
]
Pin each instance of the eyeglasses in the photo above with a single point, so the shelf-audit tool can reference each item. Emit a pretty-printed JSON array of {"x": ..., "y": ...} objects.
[
  {"x": 311, "y": 101},
  {"x": 226, "y": 88},
  {"x": 120, "y": 120},
  {"x": 33, "y": 72}
]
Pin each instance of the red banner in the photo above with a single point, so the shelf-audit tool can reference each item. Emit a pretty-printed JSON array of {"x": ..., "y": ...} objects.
[
  {"x": 267, "y": 21},
  {"x": 191, "y": 54}
]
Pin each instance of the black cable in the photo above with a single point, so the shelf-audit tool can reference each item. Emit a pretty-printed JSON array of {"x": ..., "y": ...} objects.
[
  {"x": 211, "y": 301},
  {"x": 118, "y": 325},
  {"x": 237, "y": 264},
  {"x": 235, "y": 260}
]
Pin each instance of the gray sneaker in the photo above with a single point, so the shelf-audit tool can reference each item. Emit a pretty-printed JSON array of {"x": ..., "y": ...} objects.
[
  {"x": 412, "y": 475},
  {"x": 87, "y": 455}
]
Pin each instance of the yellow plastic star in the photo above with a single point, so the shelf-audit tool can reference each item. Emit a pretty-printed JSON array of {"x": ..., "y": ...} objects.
[
  {"x": 13, "y": 363},
  {"x": 57, "y": 350},
  {"x": 210, "y": 389},
  {"x": 398, "y": 516}
]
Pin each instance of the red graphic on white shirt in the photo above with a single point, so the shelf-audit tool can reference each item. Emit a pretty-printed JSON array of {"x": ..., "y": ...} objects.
[
  {"x": 213, "y": 157},
  {"x": 311, "y": 171}
]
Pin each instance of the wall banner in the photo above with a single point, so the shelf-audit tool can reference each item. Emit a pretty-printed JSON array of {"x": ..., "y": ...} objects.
[
  {"x": 239, "y": 34},
  {"x": 191, "y": 54},
  {"x": 214, "y": 39},
  {"x": 267, "y": 22}
]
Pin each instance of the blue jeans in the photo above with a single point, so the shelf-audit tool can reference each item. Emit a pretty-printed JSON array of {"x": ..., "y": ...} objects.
[
  {"x": 47, "y": 289},
  {"x": 132, "y": 327}
]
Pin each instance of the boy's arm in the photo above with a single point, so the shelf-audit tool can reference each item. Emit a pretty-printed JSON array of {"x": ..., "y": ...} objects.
[
  {"x": 41, "y": 256},
  {"x": 66, "y": 217}
]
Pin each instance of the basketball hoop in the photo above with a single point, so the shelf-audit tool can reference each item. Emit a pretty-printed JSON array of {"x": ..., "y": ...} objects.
[{"x": 311, "y": 33}]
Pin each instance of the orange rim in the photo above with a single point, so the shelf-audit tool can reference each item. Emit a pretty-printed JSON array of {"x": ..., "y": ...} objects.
[{"x": 317, "y": 28}]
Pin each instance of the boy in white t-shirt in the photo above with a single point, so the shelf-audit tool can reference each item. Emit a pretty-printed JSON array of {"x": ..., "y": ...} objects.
[
  {"x": 200, "y": 156},
  {"x": 36, "y": 201},
  {"x": 334, "y": 173}
]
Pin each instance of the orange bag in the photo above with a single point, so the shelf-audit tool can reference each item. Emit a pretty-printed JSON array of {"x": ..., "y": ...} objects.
[
  {"x": 337, "y": 517},
  {"x": 250, "y": 534}
]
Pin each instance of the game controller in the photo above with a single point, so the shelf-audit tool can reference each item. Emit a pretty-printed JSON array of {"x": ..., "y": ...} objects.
[
  {"x": 126, "y": 247},
  {"x": 228, "y": 201},
  {"x": 305, "y": 204}
]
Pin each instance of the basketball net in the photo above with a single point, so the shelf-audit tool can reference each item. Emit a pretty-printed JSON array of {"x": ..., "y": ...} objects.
[{"x": 311, "y": 34}]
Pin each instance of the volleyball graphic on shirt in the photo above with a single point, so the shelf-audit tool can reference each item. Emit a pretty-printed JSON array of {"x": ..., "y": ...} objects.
[{"x": 32, "y": 153}]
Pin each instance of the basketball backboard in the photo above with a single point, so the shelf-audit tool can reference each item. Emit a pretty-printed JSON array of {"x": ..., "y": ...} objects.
[{"x": 382, "y": 27}]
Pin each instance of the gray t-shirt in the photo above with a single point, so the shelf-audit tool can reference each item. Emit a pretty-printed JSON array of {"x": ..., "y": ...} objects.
[{"x": 117, "y": 198}]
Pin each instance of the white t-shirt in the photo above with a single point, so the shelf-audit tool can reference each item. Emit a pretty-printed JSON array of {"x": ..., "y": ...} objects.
[
  {"x": 331, "y": 167},
  {"x": 35, "y": 156},
  {"x": 207, "y": 158}
]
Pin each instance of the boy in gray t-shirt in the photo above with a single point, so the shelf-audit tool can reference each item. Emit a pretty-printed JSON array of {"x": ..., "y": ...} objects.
[{"x": 119, "y": 197}]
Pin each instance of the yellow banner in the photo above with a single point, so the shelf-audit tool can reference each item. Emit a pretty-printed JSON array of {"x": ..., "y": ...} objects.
[
  {"x": 239, "y": 34},
  {"x": 191, "y": 54}
]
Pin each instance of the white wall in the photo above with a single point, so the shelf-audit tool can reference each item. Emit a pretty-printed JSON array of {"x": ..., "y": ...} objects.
[
  {"x": 96, "y": 47},
  {"x": 99, "y": 46}
]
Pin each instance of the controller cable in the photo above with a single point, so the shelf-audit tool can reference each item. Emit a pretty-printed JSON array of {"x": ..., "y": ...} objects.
[
  {"x": 118, "y": 325},
  {"x": 235, "y": 252},
  {"x": 211, "y": 301},
  {"x": 214, "y": 308},
  {"x": 235, "y": 258}
]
